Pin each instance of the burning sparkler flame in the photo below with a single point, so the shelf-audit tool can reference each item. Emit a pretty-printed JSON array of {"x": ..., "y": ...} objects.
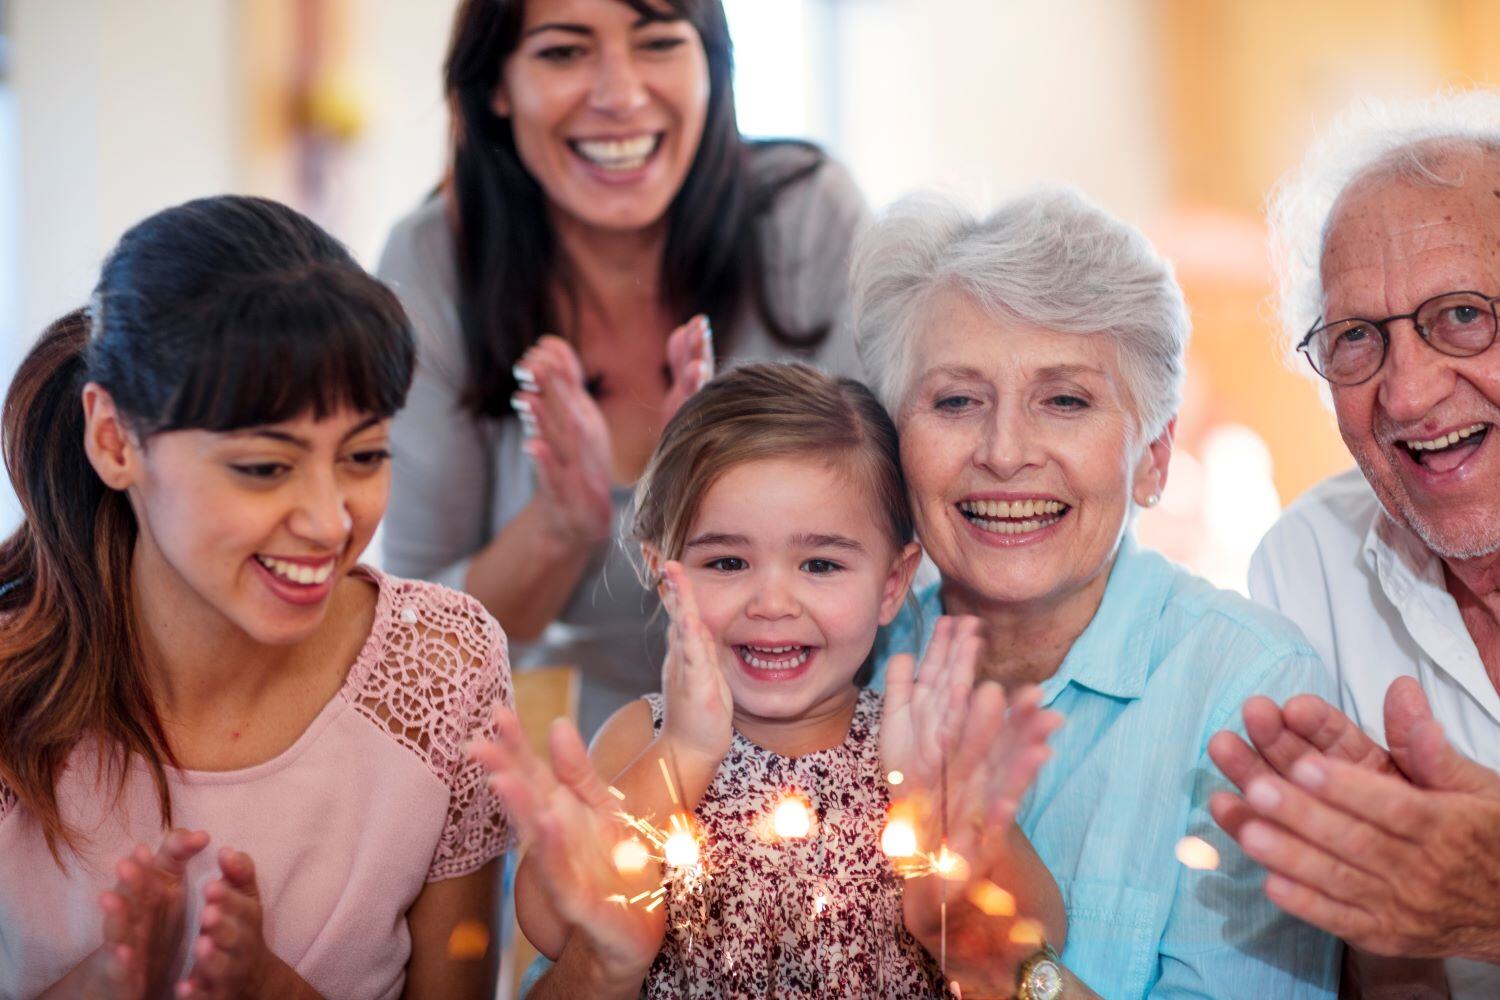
[{"x": 792, "y": 818}]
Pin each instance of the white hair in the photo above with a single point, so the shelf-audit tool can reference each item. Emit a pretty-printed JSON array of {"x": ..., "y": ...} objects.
[
  {"x": 1412, "y": 141},
  {"x": 1051, "y": 259}
]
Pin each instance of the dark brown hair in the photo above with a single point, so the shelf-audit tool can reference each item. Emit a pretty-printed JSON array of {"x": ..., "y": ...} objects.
[
  {"x": 713, "y": 263},
  {"x": 766, "y": 411},
  {"x": 218, "y": 314}
]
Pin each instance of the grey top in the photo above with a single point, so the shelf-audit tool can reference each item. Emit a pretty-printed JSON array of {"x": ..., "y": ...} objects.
[{"x": 457, "y": 479}]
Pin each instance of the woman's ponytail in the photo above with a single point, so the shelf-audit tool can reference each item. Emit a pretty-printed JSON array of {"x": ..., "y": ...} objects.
[{"x": 69, "y": 660}]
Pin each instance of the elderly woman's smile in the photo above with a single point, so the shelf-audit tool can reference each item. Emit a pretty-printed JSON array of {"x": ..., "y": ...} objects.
[{"x": 1021, "y": 451}]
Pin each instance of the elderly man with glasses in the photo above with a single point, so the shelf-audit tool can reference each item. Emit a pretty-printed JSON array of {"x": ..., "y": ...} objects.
[{"x": 1379, "y": 819}]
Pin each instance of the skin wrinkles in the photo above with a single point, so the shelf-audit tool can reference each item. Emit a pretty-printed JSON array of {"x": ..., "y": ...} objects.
[
  {"x": 1391, "y": 245},
  {"x": 1008, "y": 409}
]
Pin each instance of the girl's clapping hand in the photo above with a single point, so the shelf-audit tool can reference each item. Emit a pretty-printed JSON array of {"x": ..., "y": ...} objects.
[
  {"x": 923, "y": 710},
  {"x": 699, "y": 706}
]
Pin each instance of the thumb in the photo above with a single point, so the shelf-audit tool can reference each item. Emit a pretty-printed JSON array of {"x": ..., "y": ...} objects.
[
  {"x": 1435, "y": 764},
  {"x": 1406, "y": 707}
]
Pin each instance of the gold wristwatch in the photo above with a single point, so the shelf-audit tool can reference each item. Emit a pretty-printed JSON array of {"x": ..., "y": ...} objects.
[{"x": 1040, "y": 976}]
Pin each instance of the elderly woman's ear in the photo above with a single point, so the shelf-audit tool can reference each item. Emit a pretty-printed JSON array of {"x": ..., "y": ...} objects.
[{"x": 1151, "y": 470}]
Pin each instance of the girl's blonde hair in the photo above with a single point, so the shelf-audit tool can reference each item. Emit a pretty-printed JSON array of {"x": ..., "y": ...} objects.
[{"x": 768, "y": 411}]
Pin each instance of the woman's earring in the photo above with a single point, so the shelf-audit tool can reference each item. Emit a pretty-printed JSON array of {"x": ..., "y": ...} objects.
[{"x": 1153, "y": 500}]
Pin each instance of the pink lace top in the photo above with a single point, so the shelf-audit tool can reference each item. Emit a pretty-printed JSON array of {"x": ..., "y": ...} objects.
[
  {"x": 373, "y": 801},
  {"x": 818, "y": 917}
]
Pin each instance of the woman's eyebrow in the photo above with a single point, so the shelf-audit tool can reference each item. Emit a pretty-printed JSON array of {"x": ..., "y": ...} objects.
[{"x": 572, "y": 29}]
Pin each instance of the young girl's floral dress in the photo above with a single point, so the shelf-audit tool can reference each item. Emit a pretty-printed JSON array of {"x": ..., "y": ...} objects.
[{"x": 800, "y": 917}]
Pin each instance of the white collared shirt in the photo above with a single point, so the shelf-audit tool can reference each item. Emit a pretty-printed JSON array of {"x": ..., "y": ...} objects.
[{"x": 1369, "y": 596}]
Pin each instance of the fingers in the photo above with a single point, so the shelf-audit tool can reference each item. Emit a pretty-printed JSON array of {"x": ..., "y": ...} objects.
[
  {"x": 177, "y": 848},
  {"x": 1332, "y": 733},
  {"x": 900, "y": 671},
  {"x": 1339, "y": 919},
  {"x": 238, "y": 871},
  {"x": 571, "y": 764},
  {"x": 1291, "y": 828},
  {"x": 1239, "y": 761},
  {"x": 1382, "y": 800}
]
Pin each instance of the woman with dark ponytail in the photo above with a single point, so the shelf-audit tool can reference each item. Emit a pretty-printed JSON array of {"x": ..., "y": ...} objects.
[
  {"x": 231, "y": 758},
  {"x": 599, "y": 194}
]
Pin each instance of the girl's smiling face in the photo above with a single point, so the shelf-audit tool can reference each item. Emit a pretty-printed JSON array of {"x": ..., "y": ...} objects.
[
  {"x": 255, "y": 528},
  {"x": 794, "y": 571}
]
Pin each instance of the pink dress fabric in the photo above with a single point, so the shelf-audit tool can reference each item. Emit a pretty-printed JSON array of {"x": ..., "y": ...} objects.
[
  {"x": 817, "y": 918},
  {"x": 373, "y": 801}
]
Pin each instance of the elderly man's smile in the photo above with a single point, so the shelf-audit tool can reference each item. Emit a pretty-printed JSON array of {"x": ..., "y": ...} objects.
[{"x": 1445, "y": 452}]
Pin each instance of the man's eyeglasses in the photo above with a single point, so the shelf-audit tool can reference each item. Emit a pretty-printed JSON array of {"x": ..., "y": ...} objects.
[{"x": 1350, "y": 351}]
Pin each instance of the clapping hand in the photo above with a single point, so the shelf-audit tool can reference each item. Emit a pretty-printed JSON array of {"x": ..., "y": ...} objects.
[
  {"x": 991, "y": 757},
  {"x": 230, "y": 957},
  {"x": 568, "y": 439},
  {"x": 566, "y": 815},
  {"x": 143, "y": 918},
  {"x": 699, "y": 719}
]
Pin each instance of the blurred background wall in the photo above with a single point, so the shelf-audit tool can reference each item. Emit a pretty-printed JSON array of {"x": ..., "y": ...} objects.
[{"x": 1176, "y": 114}]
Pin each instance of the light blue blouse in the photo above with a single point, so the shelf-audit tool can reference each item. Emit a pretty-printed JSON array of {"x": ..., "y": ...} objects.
[{"x": 1166, "y": 662}]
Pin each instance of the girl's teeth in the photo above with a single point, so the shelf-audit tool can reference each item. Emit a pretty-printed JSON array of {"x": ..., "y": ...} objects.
[
  {"x": 297, "y": 573},
  {"x": 781, "y": 664}
]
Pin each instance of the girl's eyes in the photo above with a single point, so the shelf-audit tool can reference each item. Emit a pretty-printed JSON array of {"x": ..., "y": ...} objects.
[
  {"x": 821, "y": 567},
  {"x": 726, "y": 564}
]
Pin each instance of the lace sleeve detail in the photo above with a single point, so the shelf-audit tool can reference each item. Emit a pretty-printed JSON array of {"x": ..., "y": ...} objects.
[{"x": 431, "y": 685}]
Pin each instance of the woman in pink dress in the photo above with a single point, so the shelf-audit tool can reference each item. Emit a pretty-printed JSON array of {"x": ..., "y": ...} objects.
[{"x": 232, "y": 761}]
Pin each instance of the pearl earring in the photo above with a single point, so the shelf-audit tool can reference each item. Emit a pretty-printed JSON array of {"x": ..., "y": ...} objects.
[{"x": 1153, "y": 500}]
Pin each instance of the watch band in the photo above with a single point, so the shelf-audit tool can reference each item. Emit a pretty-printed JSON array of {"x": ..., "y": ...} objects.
[{"x": 1040, "y": 976}]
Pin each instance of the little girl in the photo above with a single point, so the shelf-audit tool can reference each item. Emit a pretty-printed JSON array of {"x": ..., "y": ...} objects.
[
  {"x": 194, "y": 670},
  {"x": 774, "y": 516}
]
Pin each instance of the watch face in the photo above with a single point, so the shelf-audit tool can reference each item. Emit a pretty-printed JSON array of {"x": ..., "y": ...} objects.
[{"x": 1044, "y": 981}]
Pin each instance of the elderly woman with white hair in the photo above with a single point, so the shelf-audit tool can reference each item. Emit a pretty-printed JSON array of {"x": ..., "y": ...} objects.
[{"x": 1033, "y": 362}]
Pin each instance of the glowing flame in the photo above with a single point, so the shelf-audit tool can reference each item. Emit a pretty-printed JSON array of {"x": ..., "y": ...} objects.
[
  {"x": 469, "y": 940},
  {"x": 991, "y": 899},
  {"x": 1027, "y": 932},
  {"x": 949, "y": 865},
  {"x": 792, "y": 818},
  {"x": 899, "y": 838},
  {"x": 680, "y": 848},
  {"x": 1195, "y": 852},
  {"x": 630, "y": 856},
  {"x": 895, "y": 777}
]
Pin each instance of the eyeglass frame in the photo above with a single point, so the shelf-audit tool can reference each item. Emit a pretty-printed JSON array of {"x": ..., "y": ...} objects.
[{"x": 1385, "y": 335}]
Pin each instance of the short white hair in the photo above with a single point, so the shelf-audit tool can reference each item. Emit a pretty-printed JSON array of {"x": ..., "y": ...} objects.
[
  {"x": 1050, "y": 259},
  {"x": 1412, "y": 141}
]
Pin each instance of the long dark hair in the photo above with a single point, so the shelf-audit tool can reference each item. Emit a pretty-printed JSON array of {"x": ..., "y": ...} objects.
[
  {"x": 713, "y": 261},
  {"x": 219, "y": 314}
]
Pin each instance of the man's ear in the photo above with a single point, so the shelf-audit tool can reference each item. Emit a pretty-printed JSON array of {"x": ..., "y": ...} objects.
[
  {"x": 1150, "y": 479},
  {"x": 108, "y": 443},
  {"x": 898, "y": 581}
]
